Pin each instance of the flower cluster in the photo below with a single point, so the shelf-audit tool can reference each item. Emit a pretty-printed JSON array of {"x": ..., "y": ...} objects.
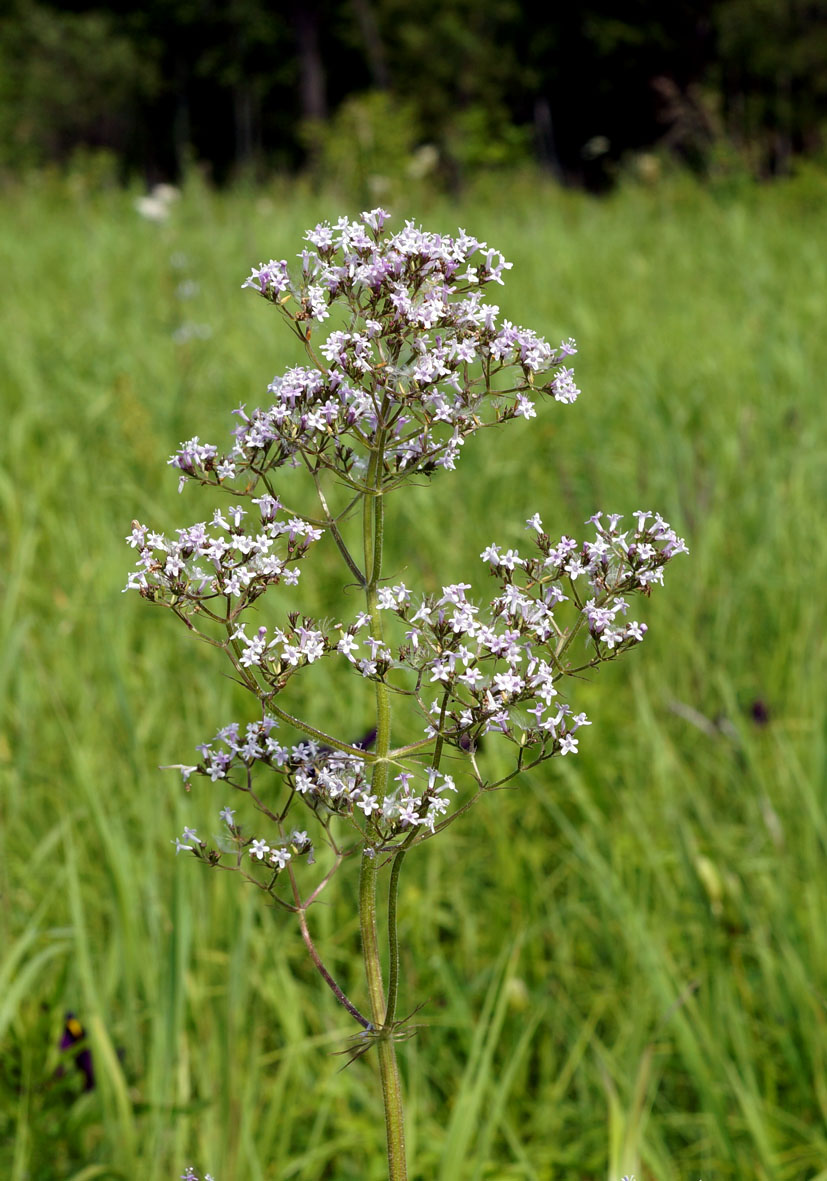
[
  {"x": 423, "y": 363},
  {"x": 326, "y": 781},
  {"x": 498, "y": 668},
  {"x": 220, "y": 561},
  {"x": 471, "y": 670},
  {"x": 405, "y": 360}
]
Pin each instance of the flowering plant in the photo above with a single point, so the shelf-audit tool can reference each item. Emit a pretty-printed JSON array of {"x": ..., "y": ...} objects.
[{"x": 419, "y": 362}]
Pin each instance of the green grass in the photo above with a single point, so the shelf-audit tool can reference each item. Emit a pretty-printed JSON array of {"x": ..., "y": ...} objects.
[{"x": 625, "y": 961}]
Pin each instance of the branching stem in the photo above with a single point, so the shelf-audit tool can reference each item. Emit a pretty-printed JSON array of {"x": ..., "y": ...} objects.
[{"x": 373, "y": 538}]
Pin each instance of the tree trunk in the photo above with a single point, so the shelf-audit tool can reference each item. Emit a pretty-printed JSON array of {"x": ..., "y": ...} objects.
[
  {"x": 373, "y": 43},
  {"x": 311, "y": 68}
]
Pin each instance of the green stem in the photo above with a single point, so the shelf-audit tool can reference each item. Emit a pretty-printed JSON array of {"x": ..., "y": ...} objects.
[
  {"x": 329, "y": 522},
  {"x": 320, "y": 735},
  {"x": 373, "y": 538},
  {"x": 393, "y": 938},
  {"x": 328, "y": 979},
  {"x": 388, "y": 1067}
]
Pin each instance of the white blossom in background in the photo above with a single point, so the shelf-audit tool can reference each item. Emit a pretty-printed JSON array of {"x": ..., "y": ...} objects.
[{"x": 157, "y": 204}]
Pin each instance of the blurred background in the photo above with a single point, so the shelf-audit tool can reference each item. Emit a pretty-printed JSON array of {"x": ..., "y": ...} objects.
[
  {"x": 624, "y": 960},
  {"x": 446, "y": 87}
]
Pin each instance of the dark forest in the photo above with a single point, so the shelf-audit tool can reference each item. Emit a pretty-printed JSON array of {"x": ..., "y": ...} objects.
[{"x": 247, "y": 88}]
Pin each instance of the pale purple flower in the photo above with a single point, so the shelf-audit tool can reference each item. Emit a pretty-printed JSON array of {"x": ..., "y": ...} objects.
[{"x": 347, "y": 645}]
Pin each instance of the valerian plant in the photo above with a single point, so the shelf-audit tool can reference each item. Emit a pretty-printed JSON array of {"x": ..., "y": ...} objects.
[{"x": 414, "y": 363}]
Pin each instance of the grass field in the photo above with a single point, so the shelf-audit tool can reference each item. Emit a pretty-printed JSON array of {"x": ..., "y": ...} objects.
[{"x": 625, "y": 960}]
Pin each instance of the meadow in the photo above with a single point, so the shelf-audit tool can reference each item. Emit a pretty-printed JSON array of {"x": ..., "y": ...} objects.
[{"x": 624, "y": 960}]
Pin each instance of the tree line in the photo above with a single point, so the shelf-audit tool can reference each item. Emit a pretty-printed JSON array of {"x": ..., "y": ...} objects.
[{"x": 450, "y": 86}]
